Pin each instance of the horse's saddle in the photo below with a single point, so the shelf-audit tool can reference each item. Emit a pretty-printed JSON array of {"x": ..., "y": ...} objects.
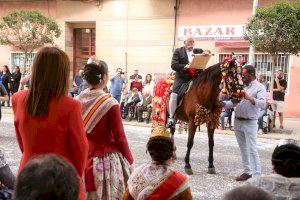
[{"x": 185, "y": 87}]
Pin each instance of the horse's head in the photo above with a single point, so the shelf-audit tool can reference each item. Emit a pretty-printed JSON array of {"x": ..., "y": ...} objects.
[{"x": 231, "y": 84}]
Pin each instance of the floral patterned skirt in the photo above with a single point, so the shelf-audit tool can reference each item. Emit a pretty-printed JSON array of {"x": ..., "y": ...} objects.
[{"x": 111, "y": 173}]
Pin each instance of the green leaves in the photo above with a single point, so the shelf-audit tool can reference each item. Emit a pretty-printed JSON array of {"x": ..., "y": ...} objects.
[
  {"x": 28, "y": 30},
  {"x": 275, "y": 29}
]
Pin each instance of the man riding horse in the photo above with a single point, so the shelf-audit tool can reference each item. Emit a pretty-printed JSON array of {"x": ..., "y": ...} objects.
[{"x": 182, "y": 57}]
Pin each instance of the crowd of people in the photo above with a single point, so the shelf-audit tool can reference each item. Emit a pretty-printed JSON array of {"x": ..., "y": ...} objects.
[
  {"x": 134, "y": 94},
  {"x": 82, "y": 150}
]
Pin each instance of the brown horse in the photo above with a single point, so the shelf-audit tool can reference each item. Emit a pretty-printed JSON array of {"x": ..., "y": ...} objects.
[{"x": 201, "y": 105}]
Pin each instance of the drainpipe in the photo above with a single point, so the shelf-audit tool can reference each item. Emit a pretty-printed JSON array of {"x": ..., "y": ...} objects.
[
  {"x": 251, "y": 50},
  {"x": 126, "y": 39},
  {"x": 176, "y": 8}
]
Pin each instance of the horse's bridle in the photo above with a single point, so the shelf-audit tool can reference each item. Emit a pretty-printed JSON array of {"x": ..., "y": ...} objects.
[{"x": 231, "y": 83}]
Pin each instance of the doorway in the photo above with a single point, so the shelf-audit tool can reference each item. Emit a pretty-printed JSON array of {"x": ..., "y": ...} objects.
[{"x": 84, "y": 47}]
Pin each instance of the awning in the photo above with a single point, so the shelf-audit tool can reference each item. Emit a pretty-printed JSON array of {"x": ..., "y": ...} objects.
[{"x": 232, "y": 44}]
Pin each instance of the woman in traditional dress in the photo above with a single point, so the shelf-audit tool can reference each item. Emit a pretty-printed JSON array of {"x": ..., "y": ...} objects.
[
  {"x": 109, "y": 157},
  {"x": 47, "y": 120},
  {"x": 158, "y": 180}
]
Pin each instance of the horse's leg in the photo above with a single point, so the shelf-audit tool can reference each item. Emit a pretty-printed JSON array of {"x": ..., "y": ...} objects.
[
  {"x": 210, "y": 132},
  {"x": 172, "y": 131},
  {"x": 192, "y": 130}
]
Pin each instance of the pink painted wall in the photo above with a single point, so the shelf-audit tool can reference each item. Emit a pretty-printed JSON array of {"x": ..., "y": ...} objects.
[
  {"x": 292, "y": 108},
  {"x": 235, "y": 12},
  {"x": 48, "y": 8}
]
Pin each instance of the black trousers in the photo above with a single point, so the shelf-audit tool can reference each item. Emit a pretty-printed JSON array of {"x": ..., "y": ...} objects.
[
  {"x": 7, "y": 177},
  {"x": 140, "y": 111},
  {"x": 178, "y": 83}
]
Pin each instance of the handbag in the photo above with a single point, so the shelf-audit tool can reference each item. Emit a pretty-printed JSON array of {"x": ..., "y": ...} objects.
[{"x": 6, "y": 193}]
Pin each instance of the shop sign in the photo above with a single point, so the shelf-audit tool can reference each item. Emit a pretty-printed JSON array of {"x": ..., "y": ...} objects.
[{"x": 213, "y": 32}]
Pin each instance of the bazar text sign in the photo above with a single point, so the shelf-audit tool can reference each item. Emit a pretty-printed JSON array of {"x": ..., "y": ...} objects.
[{"x": 213, "y": 32}]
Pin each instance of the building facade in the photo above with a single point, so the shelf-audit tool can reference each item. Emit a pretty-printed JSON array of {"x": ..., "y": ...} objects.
[{"x": 141, "y": 34}]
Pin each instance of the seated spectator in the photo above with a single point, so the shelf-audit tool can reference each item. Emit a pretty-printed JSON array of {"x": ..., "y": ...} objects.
[
  {"x": 284, "y": 183},
  {"x": 146, "y": 105},
  {"x": 226, "y": 113},
  {"x": 247, "y": 193},
  {"x": 136, "y": 83},
  {"x": 158, "y": 180},
  {"x": 6, "y": 176},
  {"x": 263, "y": 112},
  {"x": 47, "y": 177},
  {"x": 124, "y": 99},
  {"x": 134, "y": 98}
]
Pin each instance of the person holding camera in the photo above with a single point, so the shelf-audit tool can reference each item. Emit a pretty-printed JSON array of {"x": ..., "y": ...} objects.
[{"x": 118, "y": 83}]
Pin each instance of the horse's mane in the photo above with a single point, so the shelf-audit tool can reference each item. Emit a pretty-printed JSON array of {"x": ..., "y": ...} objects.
[{"x": 210, "y": 74}]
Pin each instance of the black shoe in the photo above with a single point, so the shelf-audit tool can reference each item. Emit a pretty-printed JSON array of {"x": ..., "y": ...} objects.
[
  {"x": 140, "y": 120},
  {"x": 170, "y": 123},
  {"x": 147, "y": 121},
  {"x": 281, "y": 127}
]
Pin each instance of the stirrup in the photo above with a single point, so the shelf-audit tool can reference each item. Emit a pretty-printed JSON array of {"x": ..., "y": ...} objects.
[{"x": 170, "y": 123}]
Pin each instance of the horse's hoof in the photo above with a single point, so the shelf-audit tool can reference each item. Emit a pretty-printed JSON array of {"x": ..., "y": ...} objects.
[
  {"x": 211, "y": 170},
  {"x": 188, "y": 171}
]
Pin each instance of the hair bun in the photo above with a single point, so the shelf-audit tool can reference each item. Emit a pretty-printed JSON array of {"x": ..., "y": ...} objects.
[{"x": 93, "y": 73}]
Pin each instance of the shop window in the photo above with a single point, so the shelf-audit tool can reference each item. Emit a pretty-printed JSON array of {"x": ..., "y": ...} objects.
[
  {"x": 263, "y": 63},
  {"x": 17, "y": 59}
]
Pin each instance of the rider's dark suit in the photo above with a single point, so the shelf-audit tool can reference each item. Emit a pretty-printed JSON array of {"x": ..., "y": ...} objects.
[{"x": 179, "y": 61}]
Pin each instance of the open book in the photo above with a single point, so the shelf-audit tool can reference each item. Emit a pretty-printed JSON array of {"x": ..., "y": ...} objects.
[{"x": 200, "y": 61}]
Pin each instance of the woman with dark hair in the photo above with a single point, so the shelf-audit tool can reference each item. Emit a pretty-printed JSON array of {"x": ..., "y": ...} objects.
[
  {"x": 47, "y": 177},
  {"x": 46, "y": 119},
  {"x": 158, "y": 180},
  {"x": 284, "y": 183},
  {"x": 15, "y": 79},
  {"x": 109, "y": 158},
  {"x": 148, "y": 85},
  {"x": 5, "y": 77}
]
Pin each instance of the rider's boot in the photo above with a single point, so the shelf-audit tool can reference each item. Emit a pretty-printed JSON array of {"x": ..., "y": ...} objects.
[{"x": 172, "y": 108}]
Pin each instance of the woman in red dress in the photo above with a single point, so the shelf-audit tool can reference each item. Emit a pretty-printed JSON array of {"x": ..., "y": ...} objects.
[
  {"x": 109, "y": 156},
  {"x": 46, "y": 120}
]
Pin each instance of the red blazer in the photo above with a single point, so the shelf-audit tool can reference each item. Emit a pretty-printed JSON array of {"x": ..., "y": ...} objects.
[
  {"x": 136, "y": 84},
  {"x": 108, "y": 136},
  {"x": 60, "y": 132}
]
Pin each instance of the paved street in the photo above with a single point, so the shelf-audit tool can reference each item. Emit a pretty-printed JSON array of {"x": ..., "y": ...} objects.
[{"x": 204, "y": 186}]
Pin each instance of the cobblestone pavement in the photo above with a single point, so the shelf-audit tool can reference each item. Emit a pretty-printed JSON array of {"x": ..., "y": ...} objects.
[{"x": 227, "y": 158}]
